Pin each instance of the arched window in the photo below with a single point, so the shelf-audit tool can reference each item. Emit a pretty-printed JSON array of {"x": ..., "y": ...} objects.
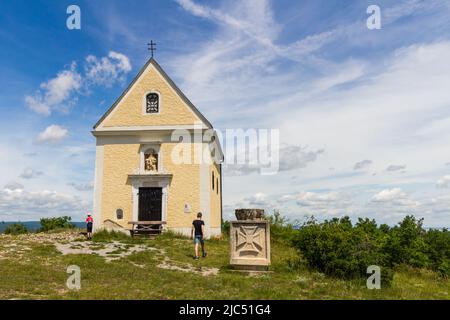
[
  {"x": 152, "y": 103},
  {"x": 212, "y": 184}
]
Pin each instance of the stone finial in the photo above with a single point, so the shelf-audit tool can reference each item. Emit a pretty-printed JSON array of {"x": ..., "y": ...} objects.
[{"x": 249, "y": 214}]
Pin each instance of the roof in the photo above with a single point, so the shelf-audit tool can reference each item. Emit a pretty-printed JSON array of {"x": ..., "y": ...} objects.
[{"x": 153, "y": 62}]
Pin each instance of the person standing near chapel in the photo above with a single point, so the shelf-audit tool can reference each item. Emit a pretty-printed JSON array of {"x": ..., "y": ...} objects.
[
  {"x": 197, "y": 233},
  {"x": 89, "y": 225}
]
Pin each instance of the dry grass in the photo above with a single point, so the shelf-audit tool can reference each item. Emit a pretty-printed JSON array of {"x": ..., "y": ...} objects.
[{"x": 32, "y": 268}]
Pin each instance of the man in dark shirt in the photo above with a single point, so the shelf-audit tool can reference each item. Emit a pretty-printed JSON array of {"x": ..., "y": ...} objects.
[{"x": 198, "y": 228}]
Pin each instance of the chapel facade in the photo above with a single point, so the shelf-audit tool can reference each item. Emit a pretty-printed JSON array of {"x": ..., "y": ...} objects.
[{"x": 157, "y": 159}]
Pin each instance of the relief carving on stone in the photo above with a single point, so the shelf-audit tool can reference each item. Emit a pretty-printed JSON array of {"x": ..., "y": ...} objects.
[{"x": 249, "y": 241}]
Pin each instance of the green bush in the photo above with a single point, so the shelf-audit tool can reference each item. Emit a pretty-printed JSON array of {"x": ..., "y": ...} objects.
[
  {"x": 406, "y": 244},
  {"x": 280, "y": 228},
  {"x": 16, "y": 228},
  {"x": 438, "y": 250},
  {"x": 48, "y": 224},
  {"x": 336, "y": 247},
  {"x": 226, "y": 227}
]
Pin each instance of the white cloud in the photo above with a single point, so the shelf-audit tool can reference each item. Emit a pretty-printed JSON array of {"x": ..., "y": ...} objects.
[
  {"x": 394, "y": 167},
  {"x": 326, "y": 203},
  {"x": 441, "y": 206},
  {"x": 49, "y": 170},
  {"x": 382, "y": 118},
  {"x": 362, "y": 164},
  {"x": 52, "y": 134},
  {"x": 83, "y": 186},
  {"x": 19, "y": 204},
  {"x": 107, "y": 70},
  {"x": 60, "y": 93},
  {"x": 286, "y": 198},
  {"x": 291, "y": 157},
  {"x": 12, "y": 186},
  {"x": 30, "y": 173},
  {"x": 258, "y": 199},
  {"x": 253, "y": 18},
  {"x": 389, "y": 195},
  {"x": 395, "y": 198},
  {"x": 317, "y": 199},
  {"x": 294, "y": 157},
  {"x": 444, "y": 182},
  {"x": 55, "y": 92}
]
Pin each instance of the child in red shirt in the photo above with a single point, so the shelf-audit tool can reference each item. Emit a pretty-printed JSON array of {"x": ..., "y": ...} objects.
[{"x": 89, "y": 225}]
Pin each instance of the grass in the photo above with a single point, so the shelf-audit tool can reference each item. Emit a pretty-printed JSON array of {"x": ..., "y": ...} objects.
[{"x": 39, "y": 272}]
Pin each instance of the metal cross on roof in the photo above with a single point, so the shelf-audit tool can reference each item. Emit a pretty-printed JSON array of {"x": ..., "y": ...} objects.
[{"x": 151, "y": 47}]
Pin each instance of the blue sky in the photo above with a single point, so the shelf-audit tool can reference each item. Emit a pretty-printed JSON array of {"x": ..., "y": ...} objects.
[{"x": 363, "y": 114}]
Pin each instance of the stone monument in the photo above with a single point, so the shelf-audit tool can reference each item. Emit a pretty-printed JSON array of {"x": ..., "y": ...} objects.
[{"x": 250, "y": 240}]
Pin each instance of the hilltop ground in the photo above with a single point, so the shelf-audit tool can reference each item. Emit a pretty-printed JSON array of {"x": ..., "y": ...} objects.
[{"x": 34, "y": 266}]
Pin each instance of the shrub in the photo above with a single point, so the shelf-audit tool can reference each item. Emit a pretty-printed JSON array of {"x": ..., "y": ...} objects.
[
  {"x": 16, "y": 228},
  {"x": 226, "y": 227},
  {"x": 438, "y": 250},
  {"x": 406, "y": 244},
  {"x": 280, "y": 228},
  {"x": 48, "y": 224},
  {"x": 337, "y": 248}
]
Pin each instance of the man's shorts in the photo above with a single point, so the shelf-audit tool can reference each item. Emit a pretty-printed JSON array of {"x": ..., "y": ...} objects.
[
  {"x": 198, "y": 239},
  {"x": 89, "y": 227}
]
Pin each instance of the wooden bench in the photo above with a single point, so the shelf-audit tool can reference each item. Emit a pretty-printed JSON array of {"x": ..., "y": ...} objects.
[{"x": 149, "y": 228}]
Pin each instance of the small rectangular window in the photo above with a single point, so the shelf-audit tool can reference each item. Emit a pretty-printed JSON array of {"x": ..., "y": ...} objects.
[{"x": 152, "y": 103}]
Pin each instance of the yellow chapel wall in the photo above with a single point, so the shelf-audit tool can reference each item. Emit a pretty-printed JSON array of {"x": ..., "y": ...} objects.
[
  {"x": 120, "y": 160},
  {"x": 184, "y": 188},
  {"x": 129, "y": 112}
]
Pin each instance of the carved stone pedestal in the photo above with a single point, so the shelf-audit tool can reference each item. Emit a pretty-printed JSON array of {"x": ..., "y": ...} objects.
[{"x": 250, "y": 245}]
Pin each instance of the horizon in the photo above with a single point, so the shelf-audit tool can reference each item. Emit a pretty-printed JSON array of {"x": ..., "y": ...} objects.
[{"x": 295, "y": 222}]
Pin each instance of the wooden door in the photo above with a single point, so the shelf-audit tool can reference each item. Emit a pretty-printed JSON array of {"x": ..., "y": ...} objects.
[{"x": 150, "y": 204}]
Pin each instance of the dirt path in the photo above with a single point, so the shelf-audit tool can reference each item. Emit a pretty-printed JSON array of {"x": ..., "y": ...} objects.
[{"x": 72, "y": 242}]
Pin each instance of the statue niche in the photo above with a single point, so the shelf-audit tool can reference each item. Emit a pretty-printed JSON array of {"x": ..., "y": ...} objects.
[{"x": 151, "y": 161}]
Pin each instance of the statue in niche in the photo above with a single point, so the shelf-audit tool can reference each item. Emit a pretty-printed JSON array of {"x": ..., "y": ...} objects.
[{"x": 151, "y": 162}]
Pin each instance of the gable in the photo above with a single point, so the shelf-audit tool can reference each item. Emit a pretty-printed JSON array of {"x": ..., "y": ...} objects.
[{"x": 174, "y": 107}]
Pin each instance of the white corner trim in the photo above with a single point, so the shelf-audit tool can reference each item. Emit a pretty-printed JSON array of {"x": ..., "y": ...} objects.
[
  {"x": 99, "y": 130},
  {"x": 205, "y": 194},
  {"x": 98, "y": 186}
]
